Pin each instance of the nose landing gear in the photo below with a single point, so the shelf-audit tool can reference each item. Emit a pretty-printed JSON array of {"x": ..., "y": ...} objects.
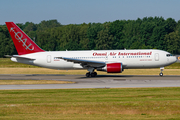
[{"x": 161, "y": 74}]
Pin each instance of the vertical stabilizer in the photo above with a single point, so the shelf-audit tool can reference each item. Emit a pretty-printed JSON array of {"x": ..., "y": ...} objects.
[{"x": 22, "y": 42}]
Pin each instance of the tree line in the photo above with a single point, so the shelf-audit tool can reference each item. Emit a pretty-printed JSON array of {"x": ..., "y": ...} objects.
[{"x": 146, "y": 33}]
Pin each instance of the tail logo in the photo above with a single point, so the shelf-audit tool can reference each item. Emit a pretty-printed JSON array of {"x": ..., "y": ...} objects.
[{"x": 19, "y": 37}]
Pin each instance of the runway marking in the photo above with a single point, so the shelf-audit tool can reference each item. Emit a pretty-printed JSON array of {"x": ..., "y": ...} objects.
[{"x": 119, "y": 79}]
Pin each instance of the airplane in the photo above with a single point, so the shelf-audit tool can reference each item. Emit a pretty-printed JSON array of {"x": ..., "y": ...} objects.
[{"x": 110, "y": 61}]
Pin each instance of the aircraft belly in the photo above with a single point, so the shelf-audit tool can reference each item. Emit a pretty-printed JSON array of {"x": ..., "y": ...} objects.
[
  {"x": 62, "y": 65},
  {"x": 147, "y": 64},
  {"x": 54, "y": 64}
]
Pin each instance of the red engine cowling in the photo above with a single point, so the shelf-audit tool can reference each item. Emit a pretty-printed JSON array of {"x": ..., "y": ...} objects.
[{"x": 114, "y": 67}]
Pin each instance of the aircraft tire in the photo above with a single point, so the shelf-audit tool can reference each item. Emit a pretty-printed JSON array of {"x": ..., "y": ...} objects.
[
  {"x": 93, "y": 74},
  {"x": 161, "y": 74},
  {"x": 88, "y": 74}
]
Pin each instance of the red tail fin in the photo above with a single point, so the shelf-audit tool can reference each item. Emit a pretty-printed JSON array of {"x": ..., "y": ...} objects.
[{"x": 22, "y": 42}]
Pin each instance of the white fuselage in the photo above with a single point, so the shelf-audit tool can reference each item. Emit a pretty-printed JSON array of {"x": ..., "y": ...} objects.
[{"x": 130, "y": 59}]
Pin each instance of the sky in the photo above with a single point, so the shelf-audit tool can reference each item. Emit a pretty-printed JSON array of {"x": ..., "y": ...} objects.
[{"x": 85, "y": 11}]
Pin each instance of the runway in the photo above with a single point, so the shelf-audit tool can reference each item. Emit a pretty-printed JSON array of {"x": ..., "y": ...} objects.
[{"x": 101, "y": 81}]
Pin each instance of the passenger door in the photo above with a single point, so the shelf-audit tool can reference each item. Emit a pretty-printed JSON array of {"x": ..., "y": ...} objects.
[{"x": 156, "y": 56}]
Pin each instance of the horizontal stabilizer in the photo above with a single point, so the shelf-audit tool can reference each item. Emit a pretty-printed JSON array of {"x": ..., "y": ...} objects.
[{"x": 17, "y": 56}]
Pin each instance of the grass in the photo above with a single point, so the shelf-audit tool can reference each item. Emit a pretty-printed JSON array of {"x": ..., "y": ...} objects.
[
  {"x": 24, "y": 82},
  {"x": 99, "y": 104},
  {"x": 7, "y": 63},
  {"x": 173, "y": 66}
]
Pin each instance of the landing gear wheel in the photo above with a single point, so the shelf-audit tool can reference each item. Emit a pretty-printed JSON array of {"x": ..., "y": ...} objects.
[
  {"x": 161, "y": 74},
  {"x": 88, "y": 74},
  {"x": 93, "y": 74}
]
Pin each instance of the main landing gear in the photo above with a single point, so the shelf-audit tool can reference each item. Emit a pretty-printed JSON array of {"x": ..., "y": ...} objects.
[
  {"x": 161, "y": 74},
  {"x": 91, "y": 72},
  {"x": 94, "y": 74}
]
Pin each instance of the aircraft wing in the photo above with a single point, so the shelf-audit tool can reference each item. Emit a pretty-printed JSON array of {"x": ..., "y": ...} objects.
[
  {"x": 17, "y": 56},
  {"x": 85, "y": 63}
]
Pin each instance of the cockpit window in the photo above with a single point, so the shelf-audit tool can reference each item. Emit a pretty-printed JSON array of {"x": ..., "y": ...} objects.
[{"x": 168, "y": 55}]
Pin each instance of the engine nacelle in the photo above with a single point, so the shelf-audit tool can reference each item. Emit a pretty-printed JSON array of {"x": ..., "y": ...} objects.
[{"x": 112, "y": 68}]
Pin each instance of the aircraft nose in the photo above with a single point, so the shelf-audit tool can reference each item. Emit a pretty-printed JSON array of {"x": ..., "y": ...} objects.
[{"x": 173, "y": 59}]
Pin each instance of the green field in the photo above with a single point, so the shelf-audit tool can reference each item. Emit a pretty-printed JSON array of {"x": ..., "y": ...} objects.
[
  {"x": 7, "y": 63},
  {"x": 99, "y": 104},
  {"x": 27, "y": 82}
]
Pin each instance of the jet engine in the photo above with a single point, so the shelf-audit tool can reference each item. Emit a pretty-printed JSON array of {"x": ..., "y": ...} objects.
[{"x": 112, "y": 68}]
